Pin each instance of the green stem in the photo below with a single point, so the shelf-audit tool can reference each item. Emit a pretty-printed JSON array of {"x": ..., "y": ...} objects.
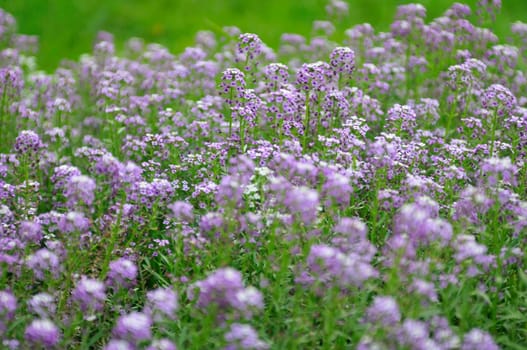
[
  {"x": 2, "y": 115},
  {"x": 242, "y": 134},
  {"x": 113, "y": 240},
  {"x": 280, "y": 132},
  {"x": 449, "y": 120},
  {"x": 306, "y": 126},
  {"x": 230, "y": 116},
  {"x": 493, "y": 131}
]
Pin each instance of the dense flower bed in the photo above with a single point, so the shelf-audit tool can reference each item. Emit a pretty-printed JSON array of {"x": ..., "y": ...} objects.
[{"x": 365, "y": 194}]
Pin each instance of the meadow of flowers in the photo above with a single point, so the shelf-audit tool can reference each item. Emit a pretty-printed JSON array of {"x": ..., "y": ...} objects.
[{"x": 364, "y": 194}]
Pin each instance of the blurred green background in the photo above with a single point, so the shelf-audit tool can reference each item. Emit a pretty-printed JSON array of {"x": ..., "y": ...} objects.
[{"x": 67, "y": 28}]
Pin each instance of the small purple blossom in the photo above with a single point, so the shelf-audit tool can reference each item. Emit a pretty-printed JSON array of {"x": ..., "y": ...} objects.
[
  {"x": 134, "y": 327},
  {"x": 342, "y": 61},
  {"x": 80, "y": 189},
  {"x": 122, "y": 273},
  {"x": 383, "y": 311},
  {"x": 241, "y": 336},
  {"x": 44, "y": 262},
  {"x": 162, "y": 344},
  {"x": 232, "y": 86},
  {"x": 90, "y": 294},
  {"x": 499, "y": 99},
  {"x": 8, "y": 305},
  {"x": 162, "y": 303},
  {"x": 28, "y": 143},
  {"x": 30, "y": 231},
  {"x": 42, "y": 304},
  {"x": 43, "y": 332},
  {"x": 249, "y": 47},
  {"x": 119, "y": 344},
  {"x": 477, "y": 339},
  {"x": 303, "y": 202},
  {"x": 182, "y": 211},
  {"x": 224, "y": 290}
]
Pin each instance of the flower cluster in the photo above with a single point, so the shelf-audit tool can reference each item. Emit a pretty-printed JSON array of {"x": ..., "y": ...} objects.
[
  {"x": 224, "y": 291},
  {"x": 369, "y": 193}
]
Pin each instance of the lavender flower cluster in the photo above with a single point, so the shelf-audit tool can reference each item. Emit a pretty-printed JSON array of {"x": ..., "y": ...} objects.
[{"x": 369, "y": 193}]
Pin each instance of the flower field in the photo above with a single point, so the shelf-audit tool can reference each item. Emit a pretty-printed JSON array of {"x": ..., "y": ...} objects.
[{"x": 363, "y": 194}]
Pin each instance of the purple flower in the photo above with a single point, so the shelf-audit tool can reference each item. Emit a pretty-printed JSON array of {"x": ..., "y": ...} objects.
[
  {"x": 494, "y": 170},
  {"x": 468, "y": 248},
  {"x": 79, "y": 190},
  {"x": 303, "y": 202},
  {"x": 134, "y": 327},
  {"x": 11, "y": 79},
  {"x": 402, "y": 118},
  {"x": 330, "y": 266},
  {"x": 415, "y": 335},
  {"x": 383, "y": 311},
  {"x": 424, "y": 288},
  {"x": 276, "y": 76},
  {"x": 401, "y": 28},
  {"x": 73, "y": 221},
  {"x": 230, "y": 191},
  {"x": 410, "y": 11},
  {"x": 44, "y": 262},
  {"x": 247, "y": 300},
  {"x": 519, "y": 28},
  {"x": 28, "y": 144},
  {"x": 443, "y": 334},
  {"x": 232, "y": 86},
  {"x": 325, "y": 28},
  {"x": 182, "y": 211},
  {"x": 62, "y": 174},
  {"x": 472, "y": 204},
  {"x": 30, "y": 231},
  {"x": 11, "y": 344},
  {"x": 477, "y": 339},
  {"x": 161, "y": 344},
  {"x": 488, "y": 8},
  {"x": 7, "y": 305},
  {"x": 458, "y": 10},
  {"x": 466, "y": 75},
  {"x": 219, "y": 287},
  {"x": 366, "y": 343},
  {"x": 313, "y": 77},
  {"x": 42, "y": 332},
  {"x": 212, "y": 224},
  {"x": 353, "y": 228},
  {"x": 241, "y": 336},
  {"x": 342, "y": 61},
  {"x": 336, "y": 108},
  {"x": 248, "y": 48},
  {"x": 498, "y": 98},
  {"x": 161, "y": 303},
  {"x": 420, "y": 222},
  {"x": 225, "y": 290},
  {"x": 90, "y": 294},
  {"x": 122, "y": 273},
  {"x": 119, "y": 344},
  {"x": 7, "y": 308},
  {"x": 350, "y": 237},
  {"x": 503, "y": 57},
  {"x": 338, "y": 189},
  {"x": 337, "y": 8},
  {"x": 42, "y": 304}
]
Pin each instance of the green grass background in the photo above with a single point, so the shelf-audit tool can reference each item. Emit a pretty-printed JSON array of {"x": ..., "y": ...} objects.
[{"x": 67, "y": 28}]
